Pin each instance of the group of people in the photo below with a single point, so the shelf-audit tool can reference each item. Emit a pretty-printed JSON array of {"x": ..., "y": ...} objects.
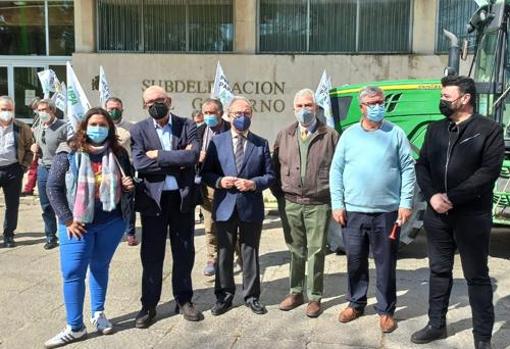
[{"x": 364, "y": 179}]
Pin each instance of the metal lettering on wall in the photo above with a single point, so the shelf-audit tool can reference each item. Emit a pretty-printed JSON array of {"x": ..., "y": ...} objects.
[{"x": 266, "y": 96}]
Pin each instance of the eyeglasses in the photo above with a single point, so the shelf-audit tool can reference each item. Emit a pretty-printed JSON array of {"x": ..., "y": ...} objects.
[
  {"x": 43, "y": 136},
  {"x": 239, "y": 114}
]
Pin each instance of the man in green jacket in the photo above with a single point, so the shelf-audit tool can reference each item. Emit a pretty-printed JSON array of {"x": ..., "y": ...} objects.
[{"x": 302, "y": 158}]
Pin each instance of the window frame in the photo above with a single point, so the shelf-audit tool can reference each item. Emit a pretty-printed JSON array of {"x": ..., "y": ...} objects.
[
  {"x": 357, "y": 52},
  {"x": 142, "y": 45}
]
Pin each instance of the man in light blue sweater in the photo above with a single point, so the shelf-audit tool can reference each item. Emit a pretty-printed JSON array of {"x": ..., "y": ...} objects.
[{"x": 372, "y": 184}]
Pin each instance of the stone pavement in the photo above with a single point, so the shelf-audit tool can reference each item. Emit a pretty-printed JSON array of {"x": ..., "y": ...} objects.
[{"x": 32, "y": 310}]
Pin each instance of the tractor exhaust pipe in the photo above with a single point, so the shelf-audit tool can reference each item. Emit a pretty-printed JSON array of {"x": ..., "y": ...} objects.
[{"x": 453, "y": 54}]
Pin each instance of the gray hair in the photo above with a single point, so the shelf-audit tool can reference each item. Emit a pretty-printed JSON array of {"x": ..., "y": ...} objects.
[
  {"x": 369, "y": 91},
  {"x": 214, "y": 101},
  {"x": 8, "y": 99},
  {"x": 49, "y": 103},
  {"x": 237, "y": 99},
  {"x": 304, "y": 92}
]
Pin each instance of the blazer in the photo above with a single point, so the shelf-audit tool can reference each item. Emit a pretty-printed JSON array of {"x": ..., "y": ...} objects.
[
  {"x": 257, "y": 166},
  {"x": 178, "y": 162}
]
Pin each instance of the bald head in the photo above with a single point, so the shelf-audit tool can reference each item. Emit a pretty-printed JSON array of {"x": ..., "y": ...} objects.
[{"x": 155, "y": 94}]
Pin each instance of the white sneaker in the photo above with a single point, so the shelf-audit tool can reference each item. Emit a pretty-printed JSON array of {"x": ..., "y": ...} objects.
[
  {"x": 101, "y": 322},
  {"x": 66, "y": 336}
]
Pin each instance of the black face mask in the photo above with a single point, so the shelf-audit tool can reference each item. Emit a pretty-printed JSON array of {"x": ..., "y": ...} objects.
[
  {"x": 446, "y": 108},
  {"x": 158, "y": 110}
]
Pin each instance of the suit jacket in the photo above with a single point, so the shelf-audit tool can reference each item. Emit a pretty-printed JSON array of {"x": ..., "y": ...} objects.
[
  {"x": 225, "y": 126},
  {"x": 257, "y": 166},
  {"x": 178, "y": 162}
]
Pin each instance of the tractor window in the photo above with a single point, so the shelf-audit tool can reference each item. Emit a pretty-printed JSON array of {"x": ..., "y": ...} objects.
[{"x": 340, "y": 106}]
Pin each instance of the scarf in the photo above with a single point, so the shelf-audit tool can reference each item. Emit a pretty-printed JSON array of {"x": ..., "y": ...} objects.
[{"x": 109, "y": 188}]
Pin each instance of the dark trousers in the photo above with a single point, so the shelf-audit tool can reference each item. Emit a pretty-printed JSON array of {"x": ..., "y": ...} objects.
[
  {"x": 11, "y": 177},
  {"x": 469, "y": 233},
  {"x": 249, "y": 238},
  {"x": 50, "y": 221},
  {"x": 362, "y": 232},
  {"x": 155, "y": 230},
  {"x": 130, "y": 224}
]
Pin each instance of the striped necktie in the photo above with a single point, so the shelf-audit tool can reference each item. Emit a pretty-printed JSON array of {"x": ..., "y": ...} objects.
[{"x": 239, "y": 152}]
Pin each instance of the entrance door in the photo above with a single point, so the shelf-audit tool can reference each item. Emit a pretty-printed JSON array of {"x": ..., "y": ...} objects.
[{"x": 20, "y": 81}]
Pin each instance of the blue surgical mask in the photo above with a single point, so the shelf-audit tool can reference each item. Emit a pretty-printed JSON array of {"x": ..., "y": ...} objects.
[
  {"x": 242, "y": 123},
  {"x": 305, "y": 116},
  {"x": 375, "y": 113},
  {"x": 97, "y": 134},
  {"x": 211, "y": 120}
]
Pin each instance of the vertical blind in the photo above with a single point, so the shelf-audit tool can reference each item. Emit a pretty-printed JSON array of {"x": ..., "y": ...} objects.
[
  {"x": 454, "y": 15},
  {"x": 334, "y": 25},
  {"x": 165, "y": 25}
]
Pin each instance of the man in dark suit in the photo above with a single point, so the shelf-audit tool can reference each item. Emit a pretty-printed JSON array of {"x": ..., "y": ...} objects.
[
  {"x": 238, "y": 165},
  {"x": 165, "y": 150}
]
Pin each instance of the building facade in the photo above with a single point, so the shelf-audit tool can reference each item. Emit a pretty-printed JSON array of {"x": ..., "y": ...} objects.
[{"x": 269, "y": 49}]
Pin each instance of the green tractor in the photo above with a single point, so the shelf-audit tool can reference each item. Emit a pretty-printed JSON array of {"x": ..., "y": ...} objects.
[{"x": 413, "y": 104}]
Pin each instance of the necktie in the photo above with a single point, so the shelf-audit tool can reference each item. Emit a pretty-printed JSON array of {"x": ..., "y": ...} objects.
[
  {"x": 239, "y": 152},
  {"x": 304, "y": 134}
]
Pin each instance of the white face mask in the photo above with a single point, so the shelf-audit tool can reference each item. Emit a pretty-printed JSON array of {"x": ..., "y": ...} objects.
[
  {"x": 44, "y": 116},
  {"x": 6, "y": 115}
]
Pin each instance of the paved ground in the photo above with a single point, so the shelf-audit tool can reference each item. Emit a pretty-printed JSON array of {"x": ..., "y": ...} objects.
[{"x": 32, "y": 310}]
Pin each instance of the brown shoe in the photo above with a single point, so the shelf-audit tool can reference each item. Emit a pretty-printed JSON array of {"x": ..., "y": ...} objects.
[
  {"x": 349, "y": 314},
  {"x": 292, "y": 301},
  {"x": 313, "y": 309},
  {"x": 387, "y": 323},
  {"x": 189, "y": 312}
]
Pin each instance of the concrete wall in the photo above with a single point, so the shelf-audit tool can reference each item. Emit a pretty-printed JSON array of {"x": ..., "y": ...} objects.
[{"x": 269, "y": 80}]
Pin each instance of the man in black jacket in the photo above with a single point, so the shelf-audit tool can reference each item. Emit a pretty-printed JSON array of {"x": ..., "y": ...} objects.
[{"x": 459, "y": 163}]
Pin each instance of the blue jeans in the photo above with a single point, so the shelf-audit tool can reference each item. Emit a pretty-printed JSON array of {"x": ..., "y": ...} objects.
[
  {"x": 48, "y": 215},
  {"x": 93, "y": 251}
]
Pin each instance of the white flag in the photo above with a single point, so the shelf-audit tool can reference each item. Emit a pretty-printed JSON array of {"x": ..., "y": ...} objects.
[
  {"x": 221, "y": 89},
  {"x": 49, "y": 81},
  {"x": 322, "y": 98},
  {"x": 60, "y": 99},
  {"x": 104, "y": 88},
  {"x": 77, "y": 102}
]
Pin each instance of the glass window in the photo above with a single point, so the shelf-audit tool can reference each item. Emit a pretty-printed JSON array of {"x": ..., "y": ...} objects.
[
  {"x": 22, "y": 28},
  {"x": 283, "y": 25},
  {"x": 120, "y": 25},
  {"x": 334, "y": 26},
  {"x": 165, "y": 25},
  {"x": 26, "y": 87},
  {"x": 61, "y": 27},
  {"x": 454, "y": 15},
  {"x": 384, "y": 25},
  {"x": 4, "y": 88}
]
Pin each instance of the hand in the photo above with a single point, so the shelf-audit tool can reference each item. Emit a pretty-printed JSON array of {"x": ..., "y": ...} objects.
[
  {"x": 127, "y": 184},
  {"x": 227, "y": 182},
  {"x": 152, "y": 154},
  {"x": 34, "y": 148},
  {"x": 189, "y": 147},
  {"x": 202, "y": 156},
  {"x": 403, "y": 215},
  {"x": 340, "y": 216},
  {"x": 75, "y": 229},
  {"x": 440, "y": 203},
  {"x": 245, "y": 184}
]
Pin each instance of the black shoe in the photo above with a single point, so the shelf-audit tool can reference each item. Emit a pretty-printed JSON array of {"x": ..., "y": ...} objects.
[
  {"x": 9, "y": 241},
  {"x": 428, "y": 334},
  {"x": 144, "y": 317},
  {"x": 189, "y": 312},
  {"x": 221, "y": 307},
  {"x": 27, "y": 193},
  {"x": 256, "y": 306},
  {"x": 50, "y": 245},
  {"x": 483, "y": 345}
]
